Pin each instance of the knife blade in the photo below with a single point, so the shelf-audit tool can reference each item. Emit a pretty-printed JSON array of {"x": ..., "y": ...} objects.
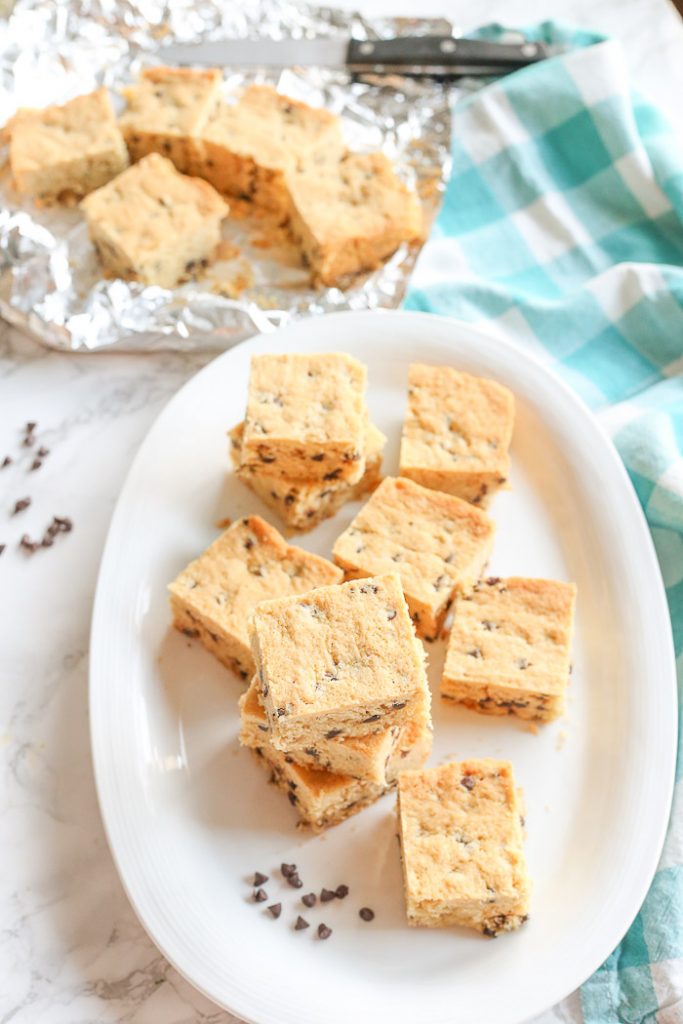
[{"x": 445, "y": 56}]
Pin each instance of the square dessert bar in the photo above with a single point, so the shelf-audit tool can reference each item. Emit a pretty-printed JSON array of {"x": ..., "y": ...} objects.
[
  {"x": 324, "y": 798},
  {"x": 300, "y": 504},
  {"x": 249, "y": 147},
  {"x": 71, "y": 148},
  {"x": 306, "y": 417},
  {"x": 508, "y": 652},
  {"x": 368, "y": 757},
  {"x": 456, "y": 432},
  {"x": 250, "y": 562},
  {"x": 167, "y": 109},
  {"x": 153, "y": 224},
  {"x": 338, "y": 660},
  {"x": 438, "y": 544},
  {"x": 461, "y": 837},
  {"x": 349, "y": 215}
]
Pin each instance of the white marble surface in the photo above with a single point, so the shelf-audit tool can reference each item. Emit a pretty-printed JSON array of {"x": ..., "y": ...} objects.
[{"x": 71, "y": 949}]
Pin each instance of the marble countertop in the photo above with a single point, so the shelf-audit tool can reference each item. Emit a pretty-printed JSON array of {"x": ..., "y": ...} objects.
[{"x": 71, "y": 948}]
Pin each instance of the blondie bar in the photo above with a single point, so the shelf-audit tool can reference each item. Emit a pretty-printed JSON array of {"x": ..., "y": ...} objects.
[
  {"x": 153, "y": 224},
  {"x": 306, "y": 417},
  {"x": 337, "y": 660},
  {"x": 366, "y": 757},
  {"x": 249, "y": 147},
  {"x": 461, "y": 840},
  {"x": 350, "y": 215},
  {"x": 167, "y": 110},
  {"x": 457, "y": 432},
  {"x": 302, "y": 505},
  {"x": 250, "y": 562},
  {"x": 509, "y": 648},
  {"x": 73, "y": 148},
  {"x": 324, "y": 798},
  {"x": 438, "y": 544}
]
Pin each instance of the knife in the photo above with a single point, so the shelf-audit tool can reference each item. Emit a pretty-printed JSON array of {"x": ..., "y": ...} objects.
[{"x": 445, "y": 56}]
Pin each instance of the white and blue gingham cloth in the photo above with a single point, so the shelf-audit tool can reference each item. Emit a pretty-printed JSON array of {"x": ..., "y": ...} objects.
[{"x": 562, "y": 228}]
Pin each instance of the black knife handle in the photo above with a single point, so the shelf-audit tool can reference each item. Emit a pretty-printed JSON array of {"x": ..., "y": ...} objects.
[{"x": 442, "y": 52}]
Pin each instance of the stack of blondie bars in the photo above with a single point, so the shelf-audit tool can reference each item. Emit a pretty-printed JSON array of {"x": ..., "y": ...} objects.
[
  {"x": 307, "y": 445},
  {"x": 338, "y": 708}
]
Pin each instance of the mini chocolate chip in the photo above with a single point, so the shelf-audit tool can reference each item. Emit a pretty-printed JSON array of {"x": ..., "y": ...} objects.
[
  {"x": 366, "y": 914},
  {"x": 312, "y": 752},
  {"x": 27, "y": 544},
  {"x": 398, "y": 704},
  {"x": 468, "y": 781},
  {"x": 334, "y": 475},
  {"x": 248, "y": 543},
  {"x": 191, "y": 633},
  {"x": 288, "y": 759},
  {"x": 2, "y": 548},
  {"x": 368, "y": 588},
  {"x": 492, "y": 580},
  {"x": 323, "y": 931},
  {"x": 275, "y": 909},
  {"x": 341, "y": 891},
  {"x": 47, "y": 541},
  {"x": 372, "y": 718},
  {"x": 488, "y": 625},
  {"x": 280, "y": 712},
  {"x": 43, "y": 451},
  {"x": 7, "y": 461},
  {"x": 392, "y": 614},
  {"x": 260, "y": 896},
  {"x": 331, "y": 733},
  {"x": 287, "y": 869},
  {"x": 289, "y": 499},
  {"x": 319, "y": 457},
  {"x": 300, "y": 924},
  {"x": 267, "y": 458},
  {"x": 326, "y": 895},
  {"x": 20, "y": 505},
  {"x": 293, "y": 801},
  {"x": 309, "y": 900},
  {"x": 475, "y": 653},
  {"x": 259, "y": 879},
  {"x": 294, "y": 879},
  {"x": 63, "y": 523}
]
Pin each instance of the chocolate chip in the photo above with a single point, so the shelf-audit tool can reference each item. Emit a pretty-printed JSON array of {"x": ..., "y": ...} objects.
[
  {"x": 294, "y": 879},
  {"x": 309, "y": 900},
  {"x": 326, "y": 895},
  {"x": 28, "y": 545},
  {"x": 289, "y": 499},
  {"x": 300, "y": 924},
  {"x": 468, "y": 781},
  {"x": 293, "y": 801},
  {"x": 475, "y": 653},
  {"x": 63, "y": 524},
  {"x": 398, "y": 704},
  {"x": 7, "y": 461},
  {"x": 492, "y": 580},
  {"x": 191, "y": 633},
  {"x": 20, "y": 505},
  {"x": 341, "y": 891},
  {"x": 275, "y": 909},
  {"x": 331, "y": 733},
  {"x": 288, "y": 759},
  {"x": 368, "y": 588},
  {"x": 280, "y": 712},
  {"x": 392, "y": 614},
  {"x": 47, "y": 541},
  {"x": 259, "y": 879},
  {"x": 248, "y": 543},
  {"x": 260, "y": 896},
  {"x": 2, "y": 548},
  {"x": 267, "y": 458},
  {"x": 372, "y": 718},
  {"x": 43, "y": 451},
  {"x": 366, "y": 914},
  {"x": 334, "y": 475},
  {"x": 312, "y": 752},
  {"x": 488, "y": 625},
  {"x": 323, "y": 931},
  {"x": 318, "y": 458},
  {"x": 30, "y": 426},
  {"x": 287, "y": 869}
]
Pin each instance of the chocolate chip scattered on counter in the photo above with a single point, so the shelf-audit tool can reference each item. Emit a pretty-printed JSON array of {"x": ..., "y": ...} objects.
[
  {"x": 47, "y": 541},
  {"x": 275, "y": 909},
  {"x": 326, "y": 895},
  {"x": 63, "y": 524},
  {"x": 7, "y": 461},
  {"x": 30, "y": 426},
  {"x": 323, "y": 931},
  {"x": 259, "y": 879},
  {"x": 287, "y": 869},
  {"x": 366, "y": 914},
  {"x": 294, "y": 881},
  {"x": 300, "y": 924},
  {"x": 260, "y": 896},
  {"x": 2, "y": 548},
  {"x": 36, "y": 464},
  {"x": 20, "y": 505},
  {"x": 29, "y": 545},
  {"x": 309, "y": 900},
  {"x": 43, "y": 451},
  {"x": 341, "y": 891}
]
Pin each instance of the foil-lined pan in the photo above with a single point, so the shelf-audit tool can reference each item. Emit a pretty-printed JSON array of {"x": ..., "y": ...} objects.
[{"x": 51, "y": 283}]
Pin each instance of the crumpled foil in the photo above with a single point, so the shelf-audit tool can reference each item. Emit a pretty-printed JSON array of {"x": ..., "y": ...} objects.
[{"x": 51, "y": 283}]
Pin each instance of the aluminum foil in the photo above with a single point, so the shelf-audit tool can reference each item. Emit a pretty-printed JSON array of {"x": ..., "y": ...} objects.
[{"x": 51, "y": 283}]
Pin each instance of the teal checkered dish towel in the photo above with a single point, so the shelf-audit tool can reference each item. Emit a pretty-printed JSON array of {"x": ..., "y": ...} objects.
[{"x": 562, "y": 228}]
